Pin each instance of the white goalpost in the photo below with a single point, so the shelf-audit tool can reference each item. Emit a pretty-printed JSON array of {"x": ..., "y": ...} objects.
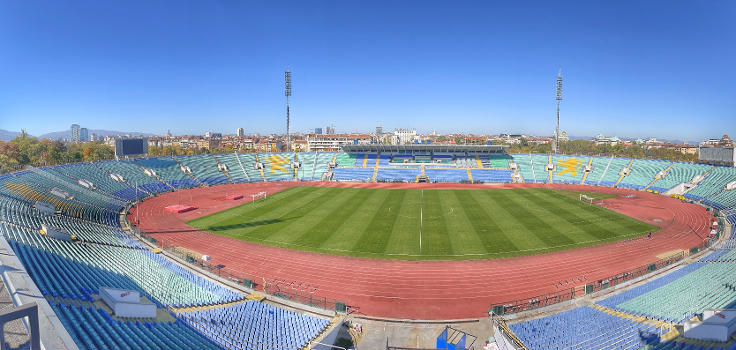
[
  {"x": 257, "y": 196},
  {"x": 585, "y": 198}
]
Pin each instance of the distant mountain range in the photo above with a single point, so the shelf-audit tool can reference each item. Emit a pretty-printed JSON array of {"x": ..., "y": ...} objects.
[{"x": 6, "y": 135}]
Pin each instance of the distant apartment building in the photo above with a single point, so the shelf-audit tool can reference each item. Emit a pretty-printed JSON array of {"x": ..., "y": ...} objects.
[
  {"x": 404, "y": 136},
  {"x": 240, "y": 132},
  {"x": 333, "y": 142},
  {"x": 83, "y": 135},
  {"x": 318, "y": 131},
  {"x": 74, "y": 131}
]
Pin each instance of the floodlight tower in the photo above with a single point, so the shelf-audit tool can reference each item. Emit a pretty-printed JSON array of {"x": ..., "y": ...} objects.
[
  {"x": 556, "y": 144},
  {"x": 287, "y": 92}
]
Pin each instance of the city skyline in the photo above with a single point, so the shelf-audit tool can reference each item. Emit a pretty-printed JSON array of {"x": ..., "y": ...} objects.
[{"x": 641, "y": 70}]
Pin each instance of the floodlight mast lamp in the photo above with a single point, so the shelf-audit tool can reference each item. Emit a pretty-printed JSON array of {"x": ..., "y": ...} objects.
[
  {"x": 287, "y": 92},
  {"x": 559, "y": 98}
]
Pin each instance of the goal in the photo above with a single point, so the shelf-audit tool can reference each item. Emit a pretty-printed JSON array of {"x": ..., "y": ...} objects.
[
  {"x": 588, "y": 199},
  {"x": 257, "y": 196}
]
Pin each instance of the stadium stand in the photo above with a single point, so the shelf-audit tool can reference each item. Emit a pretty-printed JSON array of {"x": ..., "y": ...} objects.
[
  {"x": 100, "y": 179},
  {"x": 398, "y": 174},
  {"x": 168, "y": 171},
  {"x": 714, "y": 182},
  {"x": 134, "y": 176},
  {"x": 680, "y": 173},
  {"x": 446, "y": 175},
  {"x": 255, "y": 325},
  {"x": 347, "y": 159},
  {"x": 95, "y": 329},
  {"x": 524, "y": 161},
  {"x": 204, "y": 168},
  {"x": 643, "y": 172},
  {"x": 491, "y": 175},
  {"x": 352, "y": 174},
  {"x": 569, "y": 169},
  {"x": 249, "y": 160},
  {"x": 585, "y": 328},
  {"x": 277, "y": 166},
  {"x": 234, "y": 168},
  {"x": 610, "y": 175}
]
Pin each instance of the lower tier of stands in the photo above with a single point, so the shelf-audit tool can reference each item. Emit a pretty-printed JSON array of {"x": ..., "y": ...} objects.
[
  {"x": 255, "y": 325},
  {"x": 94, "y": 329}
]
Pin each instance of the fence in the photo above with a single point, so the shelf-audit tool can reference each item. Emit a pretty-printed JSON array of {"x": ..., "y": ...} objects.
[
  {"x": 574, "y": 292},
  {"x": 292, "y": 290}
]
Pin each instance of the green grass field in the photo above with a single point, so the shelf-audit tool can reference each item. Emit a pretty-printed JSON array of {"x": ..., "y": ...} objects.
[{"x": 423, "y": 224}]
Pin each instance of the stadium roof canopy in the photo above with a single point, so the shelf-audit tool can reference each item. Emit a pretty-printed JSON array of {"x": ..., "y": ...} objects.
[{"x": 424, "y": 147}]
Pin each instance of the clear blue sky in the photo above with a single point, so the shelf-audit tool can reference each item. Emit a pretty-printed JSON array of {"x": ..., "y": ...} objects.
[{"x": 632, "y": 68}]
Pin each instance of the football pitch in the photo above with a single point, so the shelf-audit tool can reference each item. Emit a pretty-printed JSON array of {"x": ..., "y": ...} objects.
[{"x": 415, "y": 224}]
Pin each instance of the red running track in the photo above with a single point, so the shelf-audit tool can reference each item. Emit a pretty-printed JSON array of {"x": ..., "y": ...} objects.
[{"x": 428, "y": 289}]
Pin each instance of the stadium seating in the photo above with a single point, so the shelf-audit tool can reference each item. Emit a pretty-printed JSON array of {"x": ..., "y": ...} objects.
[
  {"x": 680, "y": 173},
  {"x": 643, "y": 172},
  {"x": 599, "y": 165},
  {"x": 383, "y": 160},
  {"x": 346, "y": 159},
  {"x": 94, "y": 329},
  {"x": 491, "y": 175},
  {"x": 134, "y": 176},
  {"x": 101, "y": 180},
  {"x": 569, "y": 169},
  {"x": 612, "y": 174},
  {"x": 585, "y": 328},
  {"x": 255, "y": 325},
  {"x": 398, "y": 174},
  {"x": 234, "y": 169},
  {"x": 277, "y": 166},
  {"x": 352, "y": 174},
  {"x": 692, "y": 293},
  {"x": 714, "y": 182},
  {"x": 168, "y": 171},
  {"x": 249, "y": 161},
  {"x": 446, "y": 175},
  {"x": 204, "y": 168},
  {"x": 524, "y": 162},
  {"x": 498, "y": 161},
  {"x": 155, "y": 275},
  {"x": 539, "y": 163}
]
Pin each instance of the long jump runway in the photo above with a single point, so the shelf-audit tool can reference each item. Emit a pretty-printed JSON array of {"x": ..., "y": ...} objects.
[{"x": 427, "y": 290}]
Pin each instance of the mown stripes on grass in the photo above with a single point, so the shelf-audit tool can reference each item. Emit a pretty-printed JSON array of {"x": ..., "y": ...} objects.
[{"x": 451, "y": 224}]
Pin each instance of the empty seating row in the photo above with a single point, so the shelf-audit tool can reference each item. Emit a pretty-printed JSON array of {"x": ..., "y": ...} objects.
[
  {"x": 680, "y": 173},
  {"x": 446, "y": 175},
  {"x": 93, "y": 329},
  {"x": 204, "y": 168},
  {"x": 643, "y": 172},
  {"x": 152, "y": 273},
  {"x": 352, "y": 174},
  {"x": 397, "y": 174},
  {"x": 491, "y": 175},
  {"x": 235, "y": 168},
  {"x": 255, "y": 325},
  {"x": 169, "y": 171},
  {"x": 585, "y": 328}
]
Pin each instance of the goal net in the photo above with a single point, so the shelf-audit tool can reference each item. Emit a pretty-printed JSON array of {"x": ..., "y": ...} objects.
[
  {"x": 258, "y": 195},
  {"x": 585, "y": 198}
]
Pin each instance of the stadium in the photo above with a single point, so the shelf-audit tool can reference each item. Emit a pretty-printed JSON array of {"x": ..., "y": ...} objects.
[{"x": 285, "y": 250}]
